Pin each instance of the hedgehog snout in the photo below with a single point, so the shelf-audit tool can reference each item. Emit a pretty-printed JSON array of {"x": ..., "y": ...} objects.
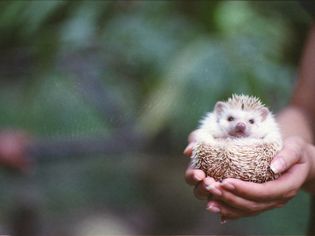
[{"x": 240, "y": 127}]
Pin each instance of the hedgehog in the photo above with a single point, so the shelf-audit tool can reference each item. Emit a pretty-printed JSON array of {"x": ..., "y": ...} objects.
[{"x": 238, "y": 139}]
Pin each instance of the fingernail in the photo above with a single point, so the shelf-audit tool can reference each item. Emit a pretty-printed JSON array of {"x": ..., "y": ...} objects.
[
  {"x": 213, "y": 209},
  {"x": 228, "y": 186},
  {"x": 278, "y": 165},
  {"x": 213, "y": 190},
  {"x": 197, "y": 178},
  {"x": 188, "y": 150}
]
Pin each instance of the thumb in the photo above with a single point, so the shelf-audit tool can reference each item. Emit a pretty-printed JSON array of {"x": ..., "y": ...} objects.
[
  {"x": 288, "y": 156},
  {"x": 189, "y": 149}
]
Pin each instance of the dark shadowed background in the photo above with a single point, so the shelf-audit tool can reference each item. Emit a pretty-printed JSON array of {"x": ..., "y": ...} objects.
[{"x": 108, "y": 91}]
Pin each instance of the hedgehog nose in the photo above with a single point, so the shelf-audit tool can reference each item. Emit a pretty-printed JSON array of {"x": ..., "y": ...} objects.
[{"x": 240, "y": 127}]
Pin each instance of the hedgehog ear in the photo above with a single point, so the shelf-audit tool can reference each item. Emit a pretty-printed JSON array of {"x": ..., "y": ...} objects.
[
  {"x": 219, "y": 107},
  {"x": 264, "y": 113}
]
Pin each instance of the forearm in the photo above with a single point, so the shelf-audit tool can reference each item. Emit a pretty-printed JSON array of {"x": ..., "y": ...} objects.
[
  {"x": 293, "y": 121},
  {"x": 298, "y": 119}
]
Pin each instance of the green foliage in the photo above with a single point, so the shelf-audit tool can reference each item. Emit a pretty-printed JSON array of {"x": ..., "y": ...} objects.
[{"x": 165, "y": 64}]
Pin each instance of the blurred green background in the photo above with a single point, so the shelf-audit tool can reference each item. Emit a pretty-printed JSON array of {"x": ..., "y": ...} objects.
[{"x": 76, "y": 73}]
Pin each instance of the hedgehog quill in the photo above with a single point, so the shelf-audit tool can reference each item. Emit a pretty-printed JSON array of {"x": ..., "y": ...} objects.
[{"x": 238, "y": 139}]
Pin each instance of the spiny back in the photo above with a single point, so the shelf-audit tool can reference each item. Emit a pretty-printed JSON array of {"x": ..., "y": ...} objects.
[{"x": 244, "y": 102}]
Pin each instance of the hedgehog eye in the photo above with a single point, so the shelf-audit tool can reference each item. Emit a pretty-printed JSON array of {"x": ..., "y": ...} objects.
[
  {"x": 230, "y": 118},
  {"x": 252, "y": 121}
]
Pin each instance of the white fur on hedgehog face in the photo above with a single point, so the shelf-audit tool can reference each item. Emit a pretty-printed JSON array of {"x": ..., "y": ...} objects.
[{"x": 240, "y": 123}]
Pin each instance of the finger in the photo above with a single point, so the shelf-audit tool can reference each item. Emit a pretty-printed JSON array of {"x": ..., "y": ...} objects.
[
  {"x": 227, "y": 212},
  {"x": 248, "y": 190},
  {"x": 188, "y": 150},
  {"x": 230, "y": 213},
  {"x": 201, "y": 190},
  {"x": 191, "y": 143},
  {"x": 244, "y": 204},
  {"x": 283, "y": 188},
  {"x": 212, "y": 186},
  {"x": 288, "y": 156},
  {"x": 194, "y": 176}
]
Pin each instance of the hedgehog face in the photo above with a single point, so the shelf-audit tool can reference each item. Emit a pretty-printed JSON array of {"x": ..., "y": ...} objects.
[
  {"x": 236, "y": 120},
  {"x": 239, "y": 123}
]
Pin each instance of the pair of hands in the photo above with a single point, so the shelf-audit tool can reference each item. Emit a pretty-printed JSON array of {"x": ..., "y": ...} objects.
[{"x": 233, "y": 198}]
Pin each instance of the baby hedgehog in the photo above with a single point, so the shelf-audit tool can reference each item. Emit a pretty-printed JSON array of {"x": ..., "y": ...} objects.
[{"x": 237, "y": 140}]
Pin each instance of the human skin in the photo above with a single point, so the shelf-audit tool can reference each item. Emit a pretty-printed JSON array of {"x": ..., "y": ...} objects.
[
  {"x": 234, "y": 198},
  {"x": 13, "y": 150}
]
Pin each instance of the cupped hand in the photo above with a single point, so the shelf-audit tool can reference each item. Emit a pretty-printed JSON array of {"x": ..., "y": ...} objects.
[
  {"x": 235, "y": 198},
  {"x": 240, "y": 199}
]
